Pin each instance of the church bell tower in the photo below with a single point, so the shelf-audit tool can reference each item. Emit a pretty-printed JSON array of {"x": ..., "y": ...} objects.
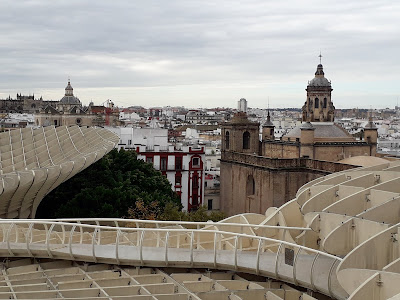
[{"x": 318, "y": 106}]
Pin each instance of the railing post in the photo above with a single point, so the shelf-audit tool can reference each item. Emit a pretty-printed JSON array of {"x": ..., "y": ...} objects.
[
  {"x": 71, "y": 234},
  {"x": 93, "y": 244},
  {"x": 48, "y": 240},
  {"x": 46, "y": 229},
  {"x": 99, "y": 238},
  {"x": 16, "y": 232},
  {"x": 3, "y": 230},
  {"x": 198, "y": 240},
  {"x": 330, "y": 280},
  {"x": 63, "y": 232},
  {"x": 276, "y": 260},
  {"x": 137, "y": 235},
  {"x": 294, "y": 267},
  {"x": 215, "y": 249},
  {"x": 166, "y": 248},
  {"x": 117, "y": 245},
  {"x": 260, "y": 242},
  {"x": 241, "y": 241},
  {"x": 312, "y": 272},
  {"x": 141, "y": 247},
  {"x": 81, "y": 231},
  {"x": 29, "y": 239},
  {"x": 158, "y": 235},
  {"x": 8, "y": 239},
  {"x": 236, "y": 246},
  {"x": 191, "y": 248}
]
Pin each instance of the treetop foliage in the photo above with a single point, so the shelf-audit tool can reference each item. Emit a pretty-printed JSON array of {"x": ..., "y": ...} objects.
[
  {"x": 119, "y": 186},
  {"x": 108, "y": 188},
  {"x": 172, "y": 212}
]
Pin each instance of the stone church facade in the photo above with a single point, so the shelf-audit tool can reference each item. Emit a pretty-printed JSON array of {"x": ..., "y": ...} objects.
[
  {"x": 69, "y": 111},
  {"x": 259, "y": 173}
]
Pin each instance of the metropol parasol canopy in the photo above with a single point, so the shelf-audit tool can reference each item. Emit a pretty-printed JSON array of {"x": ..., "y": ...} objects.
[{"x": 35, "y": 161}]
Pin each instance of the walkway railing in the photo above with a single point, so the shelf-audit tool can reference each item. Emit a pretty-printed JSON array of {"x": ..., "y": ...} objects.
[
  {"x": 178, "y": 247},
  {"x": 118, "y": 222}
]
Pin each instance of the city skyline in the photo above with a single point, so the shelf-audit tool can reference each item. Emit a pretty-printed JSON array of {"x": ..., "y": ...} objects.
[{"x": 201, "y": 54}]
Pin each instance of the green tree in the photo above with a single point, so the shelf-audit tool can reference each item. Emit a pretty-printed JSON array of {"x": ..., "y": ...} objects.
[{"x": 108, "y": 188}]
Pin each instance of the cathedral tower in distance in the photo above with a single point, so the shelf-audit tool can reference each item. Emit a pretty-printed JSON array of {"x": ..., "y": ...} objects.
[{"x": 318, "y": 106}]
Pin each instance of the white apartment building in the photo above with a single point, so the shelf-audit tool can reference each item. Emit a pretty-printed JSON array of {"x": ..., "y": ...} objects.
[
  {"x": 182, "y": 165},
  {"x": 242, "y": 105}
]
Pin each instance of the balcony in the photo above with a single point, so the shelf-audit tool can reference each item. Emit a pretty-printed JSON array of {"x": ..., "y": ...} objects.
[{"x": 169, "y": 168}]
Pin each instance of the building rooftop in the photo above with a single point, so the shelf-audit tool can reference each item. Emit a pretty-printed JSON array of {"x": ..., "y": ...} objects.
[
  {"x": 70, "y": 100},
  {"x": 322, "y": 130},
  {"x": 322, "y": 81},
  {"x": 363, "y": 161}
]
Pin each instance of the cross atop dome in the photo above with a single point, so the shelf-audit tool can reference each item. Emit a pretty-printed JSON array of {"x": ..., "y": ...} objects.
[{"x": 320, "y": 69}]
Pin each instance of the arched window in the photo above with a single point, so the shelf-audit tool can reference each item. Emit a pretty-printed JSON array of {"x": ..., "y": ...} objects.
[
  {"x": 227, "y": 140},
  {"x": 246, "y": 140},
  {"x": 325, "y": 102},
  {"x": 316, "y": 103},
  {"x": 250, "y": 186}
]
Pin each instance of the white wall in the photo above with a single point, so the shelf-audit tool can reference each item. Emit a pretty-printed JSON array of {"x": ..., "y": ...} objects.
[{"x": 142, "y": 136}]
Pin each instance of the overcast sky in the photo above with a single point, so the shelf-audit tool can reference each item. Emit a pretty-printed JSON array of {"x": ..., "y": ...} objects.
[{"x": 201, "y": 53}]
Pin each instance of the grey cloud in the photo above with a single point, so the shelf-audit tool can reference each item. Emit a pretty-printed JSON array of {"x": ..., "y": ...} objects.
[{"x": 177, "y": 43}]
